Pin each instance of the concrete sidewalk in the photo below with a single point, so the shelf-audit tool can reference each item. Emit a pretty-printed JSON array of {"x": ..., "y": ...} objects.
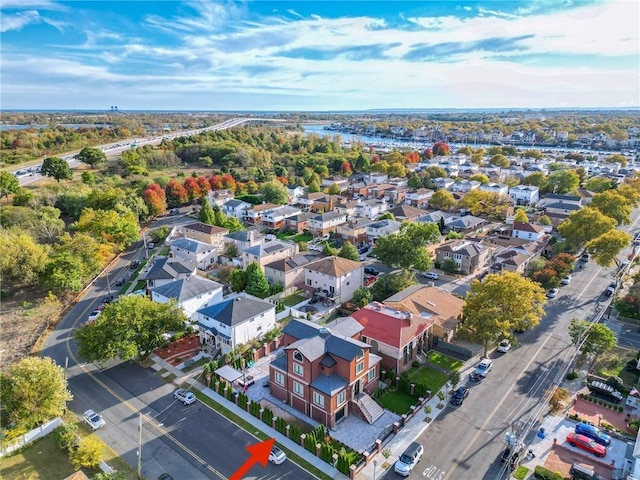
[{"x": 189, "y": 378}]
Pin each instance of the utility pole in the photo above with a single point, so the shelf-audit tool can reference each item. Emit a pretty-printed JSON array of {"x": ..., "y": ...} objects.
[{"x": 140, "y": 447}]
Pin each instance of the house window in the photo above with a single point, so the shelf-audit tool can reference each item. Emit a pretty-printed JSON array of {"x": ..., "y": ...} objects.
[
  {"x": 298, "y": 389},
  {"x": 342, "y": 397},
  {"x": 318, "y": 399},
  {"x": 309, "y": 282},
  {"x": 297, "y": 356},
  {"x": 360, "y": 354},
  {"x": 371, "y": 375},
  {"x": 259, "y": 328},
  {"x": 298, "y": 369},
  {"x": 278, "y": 378},
  {"x": 359, "y": 367}
]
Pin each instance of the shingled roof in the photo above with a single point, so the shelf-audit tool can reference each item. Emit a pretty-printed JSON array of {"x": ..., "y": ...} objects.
[
  {"x": 236, "y": 310},
  {"x": 186, "y": 288},
  {"x": 334, "y": 266}
]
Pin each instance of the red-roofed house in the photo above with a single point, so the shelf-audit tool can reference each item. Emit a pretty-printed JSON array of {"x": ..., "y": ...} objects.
[{"x": 394, "y": 334}]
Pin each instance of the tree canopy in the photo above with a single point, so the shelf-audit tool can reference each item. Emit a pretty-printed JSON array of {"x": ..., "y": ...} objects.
[
  {"x": 57, "y": 168},
  {"x": 92, "y": 156},
  {"x": 605, "y": 248},
  {"x": 613, "y": 205},
  {"x": 8, "y": 184},
  {"x": 206, "y": 214},
  {"x": 585, "y": 225},
  {"x": 388, "y": 285},
  {"x": 349, "y": 251},
  {"x": 563, "y": 181},
  {"x": 257, "y": 284},
  {"x": 274, "y": 192},
  {"x": 591, "y": 337},
  {"x": 407, "y": 248},
  {"x": 442, "y": 199}
]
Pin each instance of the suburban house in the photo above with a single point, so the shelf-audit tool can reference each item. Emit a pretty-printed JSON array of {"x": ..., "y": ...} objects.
[
  {"x": 465, "y": 224},
  {"x": 277, "y": 217},
  {"x": 218, "y": 198},
  {"x": 382, "y": 228},
  {"x": 354, "y": 231},
  {"x": 443, "y": 183},
  {"x": 525, "y": 194},
  {"x": 371, "y": 208},
  {"x": 378, "y": 192},
  {"x": 167, "y": 270},
  {"x": 375, "y": 178},
  {"x": 289, "y": 271},
  {"x": 234, "y": 321},
  {"x": 396, "y": 335},
  {"x": 325, "y": 223},
  {"x": 557, "y": 204},
  {"x": 511, "y": 259},
  {"x": 434, "y": 304},
  {"x": 418, "y": 198},
  {"x": 499, "y": 188},
  {"x": 326, "y": 372},
  {"x": 436, "y": 217},
  {"x": 268, "y": 252},
  {"x": 528, "y": 231},
  {"x": 295, "y": 192},
  {"x": 235, "y": 208},
  {"x": 308, "y": 200},
  {"x": 254, "y": 213},
  {"x": 336, "y": 278},
  {"x": 298, "y": 223},
  {"x": 191, "y": 293},
  {"x": 203, "y": 232},
  {"x": 406, "y": 212},
  {"x": 468, "y": 256},
  {"x": 357, "y": 190},
  {"x": 244, "y": 239},
  {"x": 465, "y": 186},
  {"x": 198, "y": 253},
  {"x": 328, "y": 182}
]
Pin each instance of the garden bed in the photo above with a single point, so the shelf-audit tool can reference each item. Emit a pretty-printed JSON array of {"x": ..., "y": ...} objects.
[{"x": 397, "y": 401}]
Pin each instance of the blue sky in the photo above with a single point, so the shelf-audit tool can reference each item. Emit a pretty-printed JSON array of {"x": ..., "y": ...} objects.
[{"x": 308, "y": 55}]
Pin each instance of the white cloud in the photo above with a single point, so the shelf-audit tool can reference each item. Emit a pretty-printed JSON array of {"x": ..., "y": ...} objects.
[
  {"x": 24, "y": 4},
  {"x": 19, "y": 20}
]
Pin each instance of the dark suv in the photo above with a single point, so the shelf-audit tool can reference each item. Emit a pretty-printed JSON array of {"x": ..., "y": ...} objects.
[{"x": 607, "y": 392}]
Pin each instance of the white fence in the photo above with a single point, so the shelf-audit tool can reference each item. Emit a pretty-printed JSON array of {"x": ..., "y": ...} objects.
[
  {"x": 27, "y": 438},
  {"x": 290, "y": 311}
]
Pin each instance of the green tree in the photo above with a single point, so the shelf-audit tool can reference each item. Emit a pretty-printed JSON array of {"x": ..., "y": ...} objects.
[
  {"x": 536, "y": 179},
  {"x": 584, "y": 225},
  {"x": 88, "y": 454},
  {"x": 499, "y": 161},
  {"x": 128, "y": 329},
  {"x": 314, "y": 187},
  {"x": 349, "y": 251},
  {"x": 230, "y": 250},
  {"x": 117, "y": 228},
  {"x": 206, "y": 214},
  {"x": 442, "y": 200},
  {"x": 500, "y": 304},
  {"x": 521, "y": 216},
  {"x": 591, "y": 337},
  {"x": 88, "y": 178},
  {"x": 599, "y": 184},
  {"x": 563, "y": 181},
  {"x": 334, "y": 189},
  {"x": 34, "y": 390},
  {"x": 91, "y": 156},
  {"x": 435, "y": 171},
  {"x": 407, "y": 248},
  {"x": 362, "y": 296},
  {"x": 607, "y": 246},
  {"x": 328, "y": 250},
  {"x": 387, "y": 216},
  {"x": 479, "y": 177},
  {"x": 257, "y": 284},
  {"x": 57, "y": 168},
  {"x": 9, "y": 184},
  {"x": 361, "y": 163},
  {"x": 545, "y": 220},
  {"x": 388, "y": 285},
  {"x": 233, "y": 225},
  {"x": 613, "y": 205},
  {"x": 274, "y": 192},
  {"x": 22, "y": 259},
  {"x": 238, "y": 280}
]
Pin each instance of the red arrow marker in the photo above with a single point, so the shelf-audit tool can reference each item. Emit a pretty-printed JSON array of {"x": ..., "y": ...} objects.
[{"x": 259, "y": 454}]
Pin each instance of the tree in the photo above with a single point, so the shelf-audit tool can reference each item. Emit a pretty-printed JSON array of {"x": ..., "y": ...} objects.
[
  {"x": 117, "y": 228},
  {"x": 362, "y": 296},
  {"x": 387, "y": 216},
  {"x": 155, "y": 199},
  {"x": 8, "y": 184},
  {"x": 491, "y": 204},
  {"x": 238, "y": 280},
  {"x": 88, "y": 454},
  {"x": 34, "y": 390},
  {"x": 230, "y": 250},
  {"x": 585, "y": 225},
  {"x": 193, "y": 189},
  {"x": 500, "y": 304},
  {"x": 176, "y": 194},
  {"x": 441, "y": 149},
  {"x": 361, "y": 163},
  {"x": 442, "y": 199},
  {"x": 435, "y": 171},
  {"x": 57, "y": 168},
  {"x": 349, "y": 251},
  {"x": 220, "y": 219},
  {"x": 563, "y": 181},
  {"x": 233, "y": 225},
  {"x": 499, "y": 161},
  {"x": 479, "y": 177},
  {"x": 545, "y": 220},
  {"x": 521, "y": 216},
  {"x": 599, "y": 184},
  {"x": 22, "y": 259},
  {"x": 206, "y": 214},
  {"x": 128, "y": 329},
  {"x": 613, "y": 205},
  {"x": 328, "y": 250},
  {"x": 334, "y": 189},
  {"x": 388, "y": 285},
  {"x": 607, "y": 246},
  {"x": 407, "y": 248},
  {"x": 88, "y": 178},
  {"x": 536, "y": 179},
  {"x": 314, "y": 187},
  {"x": 92, "y": 156},
  {"x": 257, "y": 284},
  {"x": 274, "y": 192},
  {"x": 591, "y": 337}
]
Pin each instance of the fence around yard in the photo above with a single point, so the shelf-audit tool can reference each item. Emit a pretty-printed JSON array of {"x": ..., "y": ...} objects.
[{"x": 38, "y": 432}]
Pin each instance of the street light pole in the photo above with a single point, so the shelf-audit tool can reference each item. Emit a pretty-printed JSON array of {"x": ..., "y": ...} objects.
[{"x": 375, "y": 465}]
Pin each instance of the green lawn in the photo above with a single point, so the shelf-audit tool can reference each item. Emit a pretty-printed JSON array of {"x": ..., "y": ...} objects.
[
  {"x": 444, "y": 361},
  {"x": 613, "y": 363},
  {"x": 301, "y": 237},
  {"x": 40, "y": 460},
  {"x": 293, "y": 299},
  {"x": 397, "y": 401},
  {"x": 428, "y": 376}
]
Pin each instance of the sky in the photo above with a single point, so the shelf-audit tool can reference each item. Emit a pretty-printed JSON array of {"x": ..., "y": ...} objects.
[{"x": 319, "y": 55}]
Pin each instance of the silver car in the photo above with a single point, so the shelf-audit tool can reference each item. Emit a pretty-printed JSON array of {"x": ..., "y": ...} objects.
[
  {"x": 184, "y": 396},
  {"x": 94, "y": 420}
]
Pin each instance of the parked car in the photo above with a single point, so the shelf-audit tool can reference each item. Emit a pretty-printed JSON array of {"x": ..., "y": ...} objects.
[
  {"x": 94, "y": 419},
  {"x": 459, "y": 395},
  {"x": 553, "y": 292},
  {"x": 409, "y": 459},
  {"x": 474, "y": 377},
  {"x": 165, "y": 476},
  {"x": 151, "y": 245},
  {"x": 135, "y": 264},
  {"x": 371, "y": 271},
  {"x": 119, "y": 282},
  {"x": 583, "y": 472},
  {"x": 566, "y": 280},
  {"x": 430, "y": 275},
  {"x": 587, "y": 444},
  {"x": 184, "y": 396},
  {"x": 611, "y": 289},
  {"x": 593, "y": 433},
  {"x": 504, "y": 346},
  {"x": 584, "y": 257},
  {"x": 93, "y": 316},
  {"x": 484, "y": 367},
  {"x": 277, "y": 456}
]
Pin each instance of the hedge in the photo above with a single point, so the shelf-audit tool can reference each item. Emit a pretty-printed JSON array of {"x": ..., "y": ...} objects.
[{"x": 545, "y": 474}]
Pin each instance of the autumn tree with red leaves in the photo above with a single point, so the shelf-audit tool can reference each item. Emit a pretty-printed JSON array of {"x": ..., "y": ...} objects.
[
  {"x": 345, "y": 169},
  {"x": 215, "y": 182},
  {"x": 441, "y": 149},
  {"x": 413, "y": 157},
  {"x": 427, "y": 154},
  {"x": 155, "y": 199},
  {"x": 228, "y": 182},
  {"x": 176, "y": 194},
  {"x": 192, "y": 188}
]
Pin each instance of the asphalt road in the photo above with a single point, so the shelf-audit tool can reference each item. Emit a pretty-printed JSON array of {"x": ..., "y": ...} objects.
[{"x": 192, "y": 442}]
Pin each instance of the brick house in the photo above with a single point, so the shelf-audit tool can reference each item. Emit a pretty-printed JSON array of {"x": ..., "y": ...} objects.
[
  {"x": 468, "y": 256},
  {"x": 326, "y": 372},
  {"x": 203, "y": 232}
]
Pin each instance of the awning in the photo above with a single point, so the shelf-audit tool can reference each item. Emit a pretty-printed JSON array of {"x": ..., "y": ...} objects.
[{"x": 230, "y": 374}]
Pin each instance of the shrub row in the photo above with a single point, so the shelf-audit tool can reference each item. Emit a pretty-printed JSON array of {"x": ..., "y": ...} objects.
[
  {"x": 599, "y": 401},
  {"x": 542, "y": 473}
]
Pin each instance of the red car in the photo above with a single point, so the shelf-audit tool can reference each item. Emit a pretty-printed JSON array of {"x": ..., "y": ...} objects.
[{"x": 585, "y": 443}]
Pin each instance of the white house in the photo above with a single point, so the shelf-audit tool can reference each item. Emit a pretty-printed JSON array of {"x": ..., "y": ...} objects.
[
  {"x": 235, "y": 321},
  {"x": 219, "y": 197},
  {"x": 191, "y": 293},
  {"x": 382, "y": 228},
  {"x": 465, "y": 186},
  {"x": 167, "y": 270},
  {"x": 295, "y": 192},
  {"x": 275, "y": 218},
  {"x": 443, "y": 183},
  {"x": 527, "y": 231},
  {"x": 235, "y": 208},
  {"x": 498, "y": 188},
  {"x": 375, "y": 177},
  {"x": 371, "y": 208},
  {"x": 197, "y": 253},
  {"x": 338, "y": 277},
  {"x": 524, "y": 194}
]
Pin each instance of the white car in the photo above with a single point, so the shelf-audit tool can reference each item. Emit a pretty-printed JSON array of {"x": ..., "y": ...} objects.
[
  {"x": 484, "y": 367},
  {"x": 430, "y": 275},
  {"x": 94, "y": 420},
  {"x": 566, "y": 280},
  {"x": 504, "y": 346},
  {"x": 184, "y": 396},
  {"x": 93, "y": 316},
  {"x": 277, "y": 456},
  {"x": 553, "y": 292}
]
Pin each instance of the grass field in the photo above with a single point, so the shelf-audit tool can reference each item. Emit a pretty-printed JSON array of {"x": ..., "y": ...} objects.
[
  {"x": 428, "y": 376},
  {"x": 397, "y": 401},
  {"x": 40, "y": 460},
  {"x": 613, "y": 363},
  {"x": 448, "y": 363},
  {"x": 293, "y": 299},
  {"x": 301, "y": 237}
]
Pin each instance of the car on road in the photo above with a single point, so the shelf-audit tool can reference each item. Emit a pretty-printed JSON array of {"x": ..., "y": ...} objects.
[
  {"x": 475, "y": 378},
  {"x": 566, "y": 280},
  {"x": 119, "y": 282},
  {"x": 459, "y": 395},
  {"x": 409, "y": 459},
  {"x": 135, "y": 264},
  {"x": 430, "y": 275},
  {"x": 504, "y": 346},
  {"x": 611, "y": 289},
  {"x": 371, "y": 271},
  {"x": 94, "y": 419},
  {"x": 593, "y": 433},
  {"x": 484, "y": 367},
  {"x": 277, "y": 456},
  {"x": 165, "y": 476},
  {"x": 93, "y": 316},
  {"x": 587, "y": 444},
  {"x": 184, "y": 396},
  {"x": 584, "y": 257},
  {"x": 553, "y": 292},
  {"x": 151, "y": 245}
]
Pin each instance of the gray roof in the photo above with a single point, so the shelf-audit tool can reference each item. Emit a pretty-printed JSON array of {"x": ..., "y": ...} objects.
[
  {"x": 267, "y": 248},
  {"x": 280, "y": 362},
  {"x": 234, "y": 203},
  {"x": 168, "y": 268},
  {"x": 186, "y": 288},
  {"x": 235, "y": 311},
  {"x": 564, "y": 206},
  {"x": 291, "y": 263},
  {"x": 243, "y": 235},
  {"x": 329, "y": 384},
  {"x": 328, "y": 361},
  {"x": 467, "y": 221},
  {"x": 192, "y": 245},
  {"x": 318, "y": 341}
]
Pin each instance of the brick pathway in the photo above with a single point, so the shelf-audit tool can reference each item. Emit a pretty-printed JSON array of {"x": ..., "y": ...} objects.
[
  {"x": 560, "y": 460},
  {"x": 180, "y": 350},
  {"x": 590, "y": 411}
]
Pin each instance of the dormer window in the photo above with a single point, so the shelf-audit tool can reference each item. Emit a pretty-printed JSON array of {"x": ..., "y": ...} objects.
[{"x": 297, "y": 356}]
